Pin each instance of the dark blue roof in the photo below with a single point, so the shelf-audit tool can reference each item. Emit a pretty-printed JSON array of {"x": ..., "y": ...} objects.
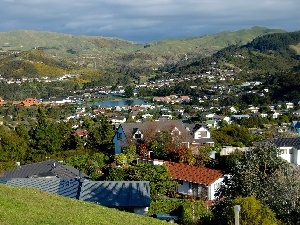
[
  {"x": 65, "y": 187},
  {"x": 106, "y": 193},
  {"x": 116, "y": 193},
  {"x": 48, "y": 168}
]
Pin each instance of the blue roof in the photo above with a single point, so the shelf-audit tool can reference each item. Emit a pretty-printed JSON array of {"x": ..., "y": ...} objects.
[
  {"x": 116, "y": 193},
  {"x": 65, "y": 187},
  {"x": 106, "y": 193},
  {"x": 48, "y": 168}
]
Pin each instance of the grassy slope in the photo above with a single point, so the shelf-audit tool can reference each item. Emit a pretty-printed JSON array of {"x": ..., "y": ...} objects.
[{"x": 31, "y": 206}]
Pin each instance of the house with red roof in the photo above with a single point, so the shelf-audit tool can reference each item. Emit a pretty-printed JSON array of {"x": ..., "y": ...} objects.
[
  {"x": 194, "y": 181},
  {"x": 29, "y": 102}
]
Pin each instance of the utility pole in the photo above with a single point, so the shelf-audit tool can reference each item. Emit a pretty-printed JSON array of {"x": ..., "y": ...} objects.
[{"x": 237, "y": 209}]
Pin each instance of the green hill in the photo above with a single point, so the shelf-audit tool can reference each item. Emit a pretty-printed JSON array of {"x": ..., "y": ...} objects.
[
  {"x": 20, "y": 205},
  {"x": 63, "y": 53}
]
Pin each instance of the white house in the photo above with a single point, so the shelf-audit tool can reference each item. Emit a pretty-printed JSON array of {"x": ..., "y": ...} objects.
[
  {"x": 118, "y": 120},
  {"x": 290, "y": 149}
]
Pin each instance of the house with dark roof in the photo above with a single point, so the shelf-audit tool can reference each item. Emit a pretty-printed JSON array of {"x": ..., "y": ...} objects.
[
  {"x": 45, "y": 169},
  {"x": 290, "y": 149},
  {"x": 114, "y": 194},
  {"x": 133, "y": 133},
  {"x": 199, "y": 182},
  {"x": 54, "y": 177}
]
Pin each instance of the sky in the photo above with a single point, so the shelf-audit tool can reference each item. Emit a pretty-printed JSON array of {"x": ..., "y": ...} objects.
[{"x": 143, "y": 21}]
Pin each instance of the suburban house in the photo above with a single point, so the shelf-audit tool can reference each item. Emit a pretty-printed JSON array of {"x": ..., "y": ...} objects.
[
  {"x": 290, "y": 149},
  {"x": 53, "y": 177},
  {"x": 118, "y": 120},
  {"x": 193, "y": 135},
  {"x": 239, "y": 117},
  {"x": 198, "y": 182},
  {"x": 45, "y": 169},
  {"x": 29, "y": 102}
]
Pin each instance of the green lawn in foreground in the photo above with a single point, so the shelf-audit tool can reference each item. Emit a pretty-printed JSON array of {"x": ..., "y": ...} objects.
[{"x": 19, "y": 205}]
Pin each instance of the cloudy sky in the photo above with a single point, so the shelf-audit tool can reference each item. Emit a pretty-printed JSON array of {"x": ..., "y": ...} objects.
[{"x": 146, "y": 20}]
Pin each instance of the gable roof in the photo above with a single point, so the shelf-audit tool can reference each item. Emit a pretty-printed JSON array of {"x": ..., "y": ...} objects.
[
  {"x": 130, "y": 128},
  {"x": 195, "y": 174},
  {"x": 43, "y": 169}
]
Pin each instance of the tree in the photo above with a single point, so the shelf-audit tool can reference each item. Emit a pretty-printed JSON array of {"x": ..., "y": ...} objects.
[
  {"x": 231, "y": 135},
  {"x": 158, "y": 176},
  {"x": 202, "y": 157},
  {"x": 128, "y": 91},
  {"x": 262, "y": 173},
  {"x": 100, "y": 133},
  {"x": 253, "y": 212},
  {"x": 45, "y": 137}
]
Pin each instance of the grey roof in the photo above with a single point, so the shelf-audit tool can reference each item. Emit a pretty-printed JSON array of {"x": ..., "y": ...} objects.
[
  {"x": 287, "y": 142},
  {"x": 65, "y": 187},
  {"x": 159, "y": 125},
  {"x": 106, "y": 193},
  {"x": 187, "y": 130},
  {"x": 46, "y": 168},
  {"x": 116, "y": 193}
]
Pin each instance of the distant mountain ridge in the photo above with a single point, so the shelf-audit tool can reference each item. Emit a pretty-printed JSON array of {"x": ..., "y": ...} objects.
[{"x": 23, "y": 40}]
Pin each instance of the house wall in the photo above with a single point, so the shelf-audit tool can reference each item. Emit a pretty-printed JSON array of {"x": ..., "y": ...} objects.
[
  {"x": 287, "y": 154},
  {"x": 213, "y": 188},
  {"x": 199, "y": 133},
  {"x": 296, "y": 156},
  {"x": 119, "y": 140}
]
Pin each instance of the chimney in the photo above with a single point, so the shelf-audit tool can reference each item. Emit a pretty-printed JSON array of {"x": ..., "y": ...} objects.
[{"x": 80, "y": 174}]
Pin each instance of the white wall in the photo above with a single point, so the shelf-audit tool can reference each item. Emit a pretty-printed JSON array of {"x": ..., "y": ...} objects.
[{"x": 213, "y": 188}]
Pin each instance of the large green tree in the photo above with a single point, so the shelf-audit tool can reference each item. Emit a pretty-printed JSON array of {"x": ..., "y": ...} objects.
[
  {"x": 100, "y": 133},
  {"x": 159, "y": 177},
  {"x": 45, "y": 136},
  {"x": 262, "y": 173}
]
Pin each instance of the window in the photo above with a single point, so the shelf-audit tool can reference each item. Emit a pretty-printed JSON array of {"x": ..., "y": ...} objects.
[
  {"x": 119, "y": 136},
  {"x": 203, "y": 133},
  {"x": 138, "y": 136}
]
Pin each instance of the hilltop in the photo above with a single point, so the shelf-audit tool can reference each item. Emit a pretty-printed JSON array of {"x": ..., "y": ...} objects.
[
  {"x": 21, "y": 205},
  {"x": 58, "y": 43}
]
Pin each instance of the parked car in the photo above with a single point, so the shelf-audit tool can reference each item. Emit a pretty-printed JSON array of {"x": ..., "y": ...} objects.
[{"x": 168, "y": 217}]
